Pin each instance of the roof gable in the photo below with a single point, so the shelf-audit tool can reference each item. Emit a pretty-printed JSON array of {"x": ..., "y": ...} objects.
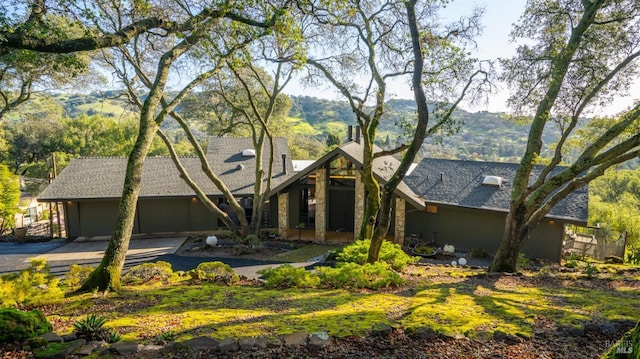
[
  {"x": 383, "y": 168},
  {"x": 460, "y": 183}
]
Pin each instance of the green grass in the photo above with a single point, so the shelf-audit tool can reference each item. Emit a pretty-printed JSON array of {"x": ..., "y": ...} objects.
[
  {"x": 304, "y": 253},
  {"x": 299, "y": 126},
  {"x": 448, "y": 300}
]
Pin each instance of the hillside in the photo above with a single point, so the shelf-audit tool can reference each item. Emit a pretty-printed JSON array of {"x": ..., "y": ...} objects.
[{"x": 480, "y": 135}]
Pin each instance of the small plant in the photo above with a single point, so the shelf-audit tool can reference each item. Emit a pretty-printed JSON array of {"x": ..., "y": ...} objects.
[
  {"x": 523, "y": 261},
  {"x": 77, "y": 275},
  {"x": 571, "y": 264},
  {"x": 633, "y": 256},
  {"x": 143, "y": 273},
  {"x": 92, "y": 328},
  {"x": 31, "y": 286},
  {"x": 390, "y": 253},
  {"x": 287, "y": 276},
  {"x": 424, "y": 250},
  {"x": 590, "y": 270},
  {"x": 167, "y": 336},
  {"x": 217, "y": 272}
]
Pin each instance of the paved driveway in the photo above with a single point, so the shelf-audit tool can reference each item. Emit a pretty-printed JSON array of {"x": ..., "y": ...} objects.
[{"x": 60, "y": 255}]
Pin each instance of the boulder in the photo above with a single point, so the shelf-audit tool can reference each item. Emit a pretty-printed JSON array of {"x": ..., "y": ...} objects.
[
  {"x": 228, "y": 345},
  {"x": 295, "y": 339},
  {"x": 318, "y": 340}
]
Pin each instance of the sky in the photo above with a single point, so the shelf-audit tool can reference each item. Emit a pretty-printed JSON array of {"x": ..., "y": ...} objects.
[{"x": 493, "y": 43}]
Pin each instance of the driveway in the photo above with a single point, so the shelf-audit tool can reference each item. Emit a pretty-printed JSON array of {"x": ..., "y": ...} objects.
[{"x": 60, "y": 255}]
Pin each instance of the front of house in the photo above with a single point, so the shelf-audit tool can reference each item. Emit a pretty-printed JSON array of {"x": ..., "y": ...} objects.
[{"x": 463, "y": 203}]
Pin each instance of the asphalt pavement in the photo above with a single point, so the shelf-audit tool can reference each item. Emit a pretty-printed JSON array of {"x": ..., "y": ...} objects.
[{"x": 61, "y": 254}]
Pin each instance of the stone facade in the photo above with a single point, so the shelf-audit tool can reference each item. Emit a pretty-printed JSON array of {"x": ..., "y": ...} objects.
[
  {"x": 359, "y": 206},
  {"x": 321, "y": 204},
  {"x": 398, "y": 236},
  {"x": 283, "y": 214}
]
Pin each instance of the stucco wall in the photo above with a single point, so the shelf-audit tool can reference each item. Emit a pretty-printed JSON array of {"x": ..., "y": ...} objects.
[{"x": 468, "y": 229}]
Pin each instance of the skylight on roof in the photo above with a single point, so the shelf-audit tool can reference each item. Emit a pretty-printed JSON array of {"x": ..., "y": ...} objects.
[
  {"x": 493, "y": 181},
  {"x": 249, "y": 152}
]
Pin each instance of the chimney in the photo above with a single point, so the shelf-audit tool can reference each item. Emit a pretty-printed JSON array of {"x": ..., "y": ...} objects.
[
  {"x": 284, "y": 163},
  {"x": 349, "y": 133},
  {"x": 441, "y": 176},
  {"x": 358, "y": 134}
]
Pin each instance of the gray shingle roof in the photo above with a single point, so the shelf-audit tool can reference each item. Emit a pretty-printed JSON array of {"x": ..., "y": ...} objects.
[
  {"x": 461, "y": 185},
  {"x": 102, "y": 177}
]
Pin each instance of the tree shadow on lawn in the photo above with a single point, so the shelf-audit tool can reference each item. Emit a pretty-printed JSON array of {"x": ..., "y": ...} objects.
[{"x": 475, "y": 303}]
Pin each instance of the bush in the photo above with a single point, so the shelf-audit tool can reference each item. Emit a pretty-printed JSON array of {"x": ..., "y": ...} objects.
[
  {"x": 143, "y": 273},
  {"x": 31, "y": 286},
  {"x": 358, "y": 251},
  {"x": 286, "y": 276},
  {"x": 633, "y": 256},
  {"x": 92, "y": 328},
  {"x": 77, "y": 275},
  {"x": 352, "y": 275},
  {"x": 18, "y": 326},
  {"x": 217, "y": 272}
]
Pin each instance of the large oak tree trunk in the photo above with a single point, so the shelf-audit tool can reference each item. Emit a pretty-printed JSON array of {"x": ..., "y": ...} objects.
[
  {"x": 516, "y": 232},
  {"x": 107, "y": 275}
]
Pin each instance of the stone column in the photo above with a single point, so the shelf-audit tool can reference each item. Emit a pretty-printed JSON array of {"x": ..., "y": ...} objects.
[
  {"x": 398, "y": 236},
  {"x": 321, "y": 204},
  {"x": 283, "y": 214},
  {"x": 358, "y": 212}
]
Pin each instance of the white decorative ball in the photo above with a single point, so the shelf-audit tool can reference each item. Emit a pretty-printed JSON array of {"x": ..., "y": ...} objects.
[
  {"x": 462, "y": 261},
  {"x": 212, "y": 241},
  {"x": 454, "y": 263}
]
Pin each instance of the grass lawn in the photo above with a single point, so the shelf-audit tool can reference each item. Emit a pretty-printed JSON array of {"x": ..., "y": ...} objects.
[{"x": 450, "y": 300}]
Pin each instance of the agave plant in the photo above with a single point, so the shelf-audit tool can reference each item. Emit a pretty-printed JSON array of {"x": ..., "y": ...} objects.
[{"x": 92, "y": 328}]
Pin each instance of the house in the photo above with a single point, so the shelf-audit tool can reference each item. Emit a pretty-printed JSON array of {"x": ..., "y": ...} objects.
[
  {"x": 89, "y": 188},
  {"x": 463, "y": 203},
  {"x": 466, "y": 203}
]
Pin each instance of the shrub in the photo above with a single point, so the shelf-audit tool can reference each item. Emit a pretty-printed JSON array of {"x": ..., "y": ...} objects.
[
  {"x": 523, "y": 261},
  {"x": 92, "y": 328},
  {"x": 358, "y": 251},
  {"x": 217, "y": 272},
  {"x": 591, "y": 270},
  {"x": 18, "y": 326},
  {"x": 633, "y": 256},
  {"x": 147, "y": 272},
  {"x": 352, "y": 275},
  {"x": 31, "y": 286},
  {"x": 286, "y": 276},
  {"x": 77, "y": 275}
]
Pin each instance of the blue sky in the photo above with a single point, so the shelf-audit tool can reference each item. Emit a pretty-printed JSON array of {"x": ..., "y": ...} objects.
[{"x": 493, "y": 43}]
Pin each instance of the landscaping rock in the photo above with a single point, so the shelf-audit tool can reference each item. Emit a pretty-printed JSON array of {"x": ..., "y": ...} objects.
[
  {"x": 152, "y": 347},
  {"x": 247, "y": 343},
  {"x": 575, "y": 331},
  {"x": 175, "y": 346},
  {"x": 608, "y": 328},
  {"x": 591, "y": 328},
  {"x": 201, "y": 343},
  {"x": 91, "y": 347},
  {"x": 295, "y": 339},
  {"x": 424, "y": 333},
  {"x": 613, "y": 260},
  {"x": 52, "y": 337},
  {"x": 623, "y": 324},
  {"x": 481, "y": 336},
  {"x": 318, "y": 340},
  {"x": 382, "y": 330},
  {"x": 499, "y": 335},
  {"x": 268, "y": 343},
  {"x": 69, "y": 337},
  {"x": 65, "y": 352},
  {"x": 510, "y": 338},
  {"x": 228, "y": 345},
  {"x": 126, "y": 348}
]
